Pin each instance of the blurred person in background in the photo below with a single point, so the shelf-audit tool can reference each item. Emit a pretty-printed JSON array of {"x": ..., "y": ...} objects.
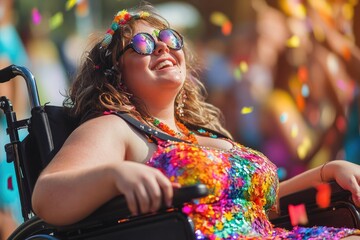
[{"x": 12, "y": 51}]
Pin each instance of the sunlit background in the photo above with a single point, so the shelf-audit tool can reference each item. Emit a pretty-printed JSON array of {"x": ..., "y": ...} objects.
[{"x": 285, "y": 73}]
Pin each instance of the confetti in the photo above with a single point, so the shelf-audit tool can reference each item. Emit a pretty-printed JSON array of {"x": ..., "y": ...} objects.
[
  {"x": 304, "y": 148},
  {"x": 305, "y": 91},
  {"x": 323, "y": 195},
  {"x": 282, "y": 173},
  {"x": 243, "y": 66},
  {"x": 293, "y": 42},
  {"x": 246, "y": 110},
  {"x": 346, "y": 53},
  {"x": 70, "y": 4},
  {"x": 10, "y": 185},
  {"x": 297, "y": 214},
  {"x": 341, "y": 84},
  {"x": 226, "y": 28},
  {"x": 56, "y": 21},
  {"x": 300, "y": 102},
  {"x": 218, "y": 19},
  {"x": 221, "y": 20},
  {"x": 294, "y": 130},
  {"x": 36, "y": 16},
  {"x": 283, "y": 117},
  {"x": 237, "y": 74},
  {"x": 341, "y": 124},
  {"x": 303, "y": 74}
]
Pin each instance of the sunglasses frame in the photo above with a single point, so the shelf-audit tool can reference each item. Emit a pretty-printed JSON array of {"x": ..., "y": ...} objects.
[{"x": 131, "y": 44}]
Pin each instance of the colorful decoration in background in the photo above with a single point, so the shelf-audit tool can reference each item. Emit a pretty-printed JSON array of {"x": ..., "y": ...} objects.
[
  {"x": 246, "y": 110},
  {"x": 10, "y": 185},
  {"x": 36, "y": 16},
  {"x": 282, "y": 173},
  {"x": 284, "y": 117},
  {"x": 297, "y": 214},
  {"x": 56, "y": 20},
  {"x": 240, "y": 70},
  {"x": 221, "y": 20},
  {"x": 70, "y": 4},
  {"x": 293, "y": 42}
]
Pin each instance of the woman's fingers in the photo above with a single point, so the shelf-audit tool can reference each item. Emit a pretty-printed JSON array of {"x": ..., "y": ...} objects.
[
  {"x": 131, "y": 202},
  {"x": 166, "y": 188},
  {"x": 355, "y": 190},
  {"x": 154, "y": 192},
  {"x": 143, "y": 198}
]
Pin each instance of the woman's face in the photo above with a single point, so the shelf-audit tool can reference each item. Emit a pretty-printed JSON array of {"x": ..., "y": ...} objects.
[{"x": 154, "y": 76}]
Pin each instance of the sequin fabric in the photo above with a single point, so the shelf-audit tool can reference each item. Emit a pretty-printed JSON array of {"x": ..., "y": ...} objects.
[{"x": 243, "y": 186}]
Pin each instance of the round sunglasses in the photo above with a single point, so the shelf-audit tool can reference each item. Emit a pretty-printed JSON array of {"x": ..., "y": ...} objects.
[{"x": 144, "y": 43}]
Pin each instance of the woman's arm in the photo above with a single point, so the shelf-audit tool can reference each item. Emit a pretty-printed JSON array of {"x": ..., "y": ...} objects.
[
  {"x": 90, "y": 169},
  {"x": 346, "y": 174}
]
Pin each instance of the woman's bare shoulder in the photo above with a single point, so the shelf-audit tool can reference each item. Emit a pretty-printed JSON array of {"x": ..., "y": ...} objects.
[{"x": 97, "y": 141}]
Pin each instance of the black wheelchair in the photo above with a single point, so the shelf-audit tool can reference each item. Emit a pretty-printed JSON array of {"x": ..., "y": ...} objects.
[{"x": 48, "y": 128}]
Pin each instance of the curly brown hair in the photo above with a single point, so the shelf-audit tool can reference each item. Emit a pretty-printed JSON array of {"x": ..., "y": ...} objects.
[{"x": 98, "y": 86}]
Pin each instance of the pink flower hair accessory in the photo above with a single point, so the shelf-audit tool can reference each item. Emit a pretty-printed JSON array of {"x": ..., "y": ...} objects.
[{"x": 120, "y": 19}]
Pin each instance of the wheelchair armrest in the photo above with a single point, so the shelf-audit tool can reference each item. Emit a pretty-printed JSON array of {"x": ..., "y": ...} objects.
[
  {"x": 117, "y": 209},
  {"x": 308, "y": 197}
]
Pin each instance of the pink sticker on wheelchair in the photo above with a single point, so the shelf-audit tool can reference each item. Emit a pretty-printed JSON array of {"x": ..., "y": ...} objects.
[
  {"x": 298, "y": 214},
  {"x": 323, "y": 195}
]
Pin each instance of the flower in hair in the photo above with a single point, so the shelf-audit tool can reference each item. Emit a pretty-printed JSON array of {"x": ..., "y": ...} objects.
[{"x": 120, "y": 19}]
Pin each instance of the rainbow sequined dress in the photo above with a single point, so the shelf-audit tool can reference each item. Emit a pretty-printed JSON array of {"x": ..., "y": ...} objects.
[{"x": 243, "y": 185}]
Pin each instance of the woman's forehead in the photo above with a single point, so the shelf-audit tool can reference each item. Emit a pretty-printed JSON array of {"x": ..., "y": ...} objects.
[{"x": 143, "y": 26}]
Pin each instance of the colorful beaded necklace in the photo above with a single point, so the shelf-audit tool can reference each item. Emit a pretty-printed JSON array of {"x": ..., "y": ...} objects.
[{"x": 184, "y": 134}]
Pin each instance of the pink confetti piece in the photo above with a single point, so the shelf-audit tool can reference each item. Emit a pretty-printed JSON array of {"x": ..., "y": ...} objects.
[
  {"x": 36, "y": 16},
  {"x": 297, "y": 214},
  {"x": 10, "y": 184}
]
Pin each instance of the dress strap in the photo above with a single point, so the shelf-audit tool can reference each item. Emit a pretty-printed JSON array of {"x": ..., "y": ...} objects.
[{"x": 151, "y": 133}]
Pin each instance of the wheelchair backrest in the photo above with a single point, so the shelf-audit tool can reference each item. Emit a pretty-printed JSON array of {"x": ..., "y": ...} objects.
[{"x": 49, "y": 128}]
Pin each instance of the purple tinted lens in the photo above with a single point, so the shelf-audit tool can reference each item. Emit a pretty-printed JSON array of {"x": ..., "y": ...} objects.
[
  {"x": 172, "y": 39},
  {"x": 143, "y": 43}
]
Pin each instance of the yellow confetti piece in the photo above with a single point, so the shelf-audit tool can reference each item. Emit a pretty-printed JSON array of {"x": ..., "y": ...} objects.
[
  {"x": 56, "y": 20},
  {"x": 244, "y": 66},
  {"x": 246, "y": 110},
  {"x": 294, "y": 130},
  {"x": 218, "y": 18},
  {"x": 293, "y": 42},
  {"x": 219, "y": 226},
  {"x": 304, "y": 148},
  {"x": 70, "y": 4},
  {"x": 228, "y": 216}
]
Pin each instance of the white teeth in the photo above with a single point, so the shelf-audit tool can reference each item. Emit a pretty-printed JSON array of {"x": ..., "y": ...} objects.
[{"x": 166, "y": 63}]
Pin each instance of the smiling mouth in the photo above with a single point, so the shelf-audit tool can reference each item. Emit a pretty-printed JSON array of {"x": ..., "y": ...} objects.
[{"x": 164, "y": 64}]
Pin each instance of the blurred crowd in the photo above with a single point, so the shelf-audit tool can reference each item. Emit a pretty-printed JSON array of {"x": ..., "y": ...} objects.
[{"x": 287, "y": 79}]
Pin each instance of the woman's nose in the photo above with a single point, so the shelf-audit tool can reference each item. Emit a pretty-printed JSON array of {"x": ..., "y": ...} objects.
[{"x": 160, "y": 48}]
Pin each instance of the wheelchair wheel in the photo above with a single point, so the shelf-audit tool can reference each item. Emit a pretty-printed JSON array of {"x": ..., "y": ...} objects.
[{"x": 42, "y": 237}]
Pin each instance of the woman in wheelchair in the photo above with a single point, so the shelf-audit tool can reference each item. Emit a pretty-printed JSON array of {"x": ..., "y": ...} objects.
[{"x": 142, "y": 67}]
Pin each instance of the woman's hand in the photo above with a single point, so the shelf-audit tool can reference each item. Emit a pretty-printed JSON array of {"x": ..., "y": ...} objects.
[
  {"x": 144, "y": 187},
  {"x": 347, "y": 175}
]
